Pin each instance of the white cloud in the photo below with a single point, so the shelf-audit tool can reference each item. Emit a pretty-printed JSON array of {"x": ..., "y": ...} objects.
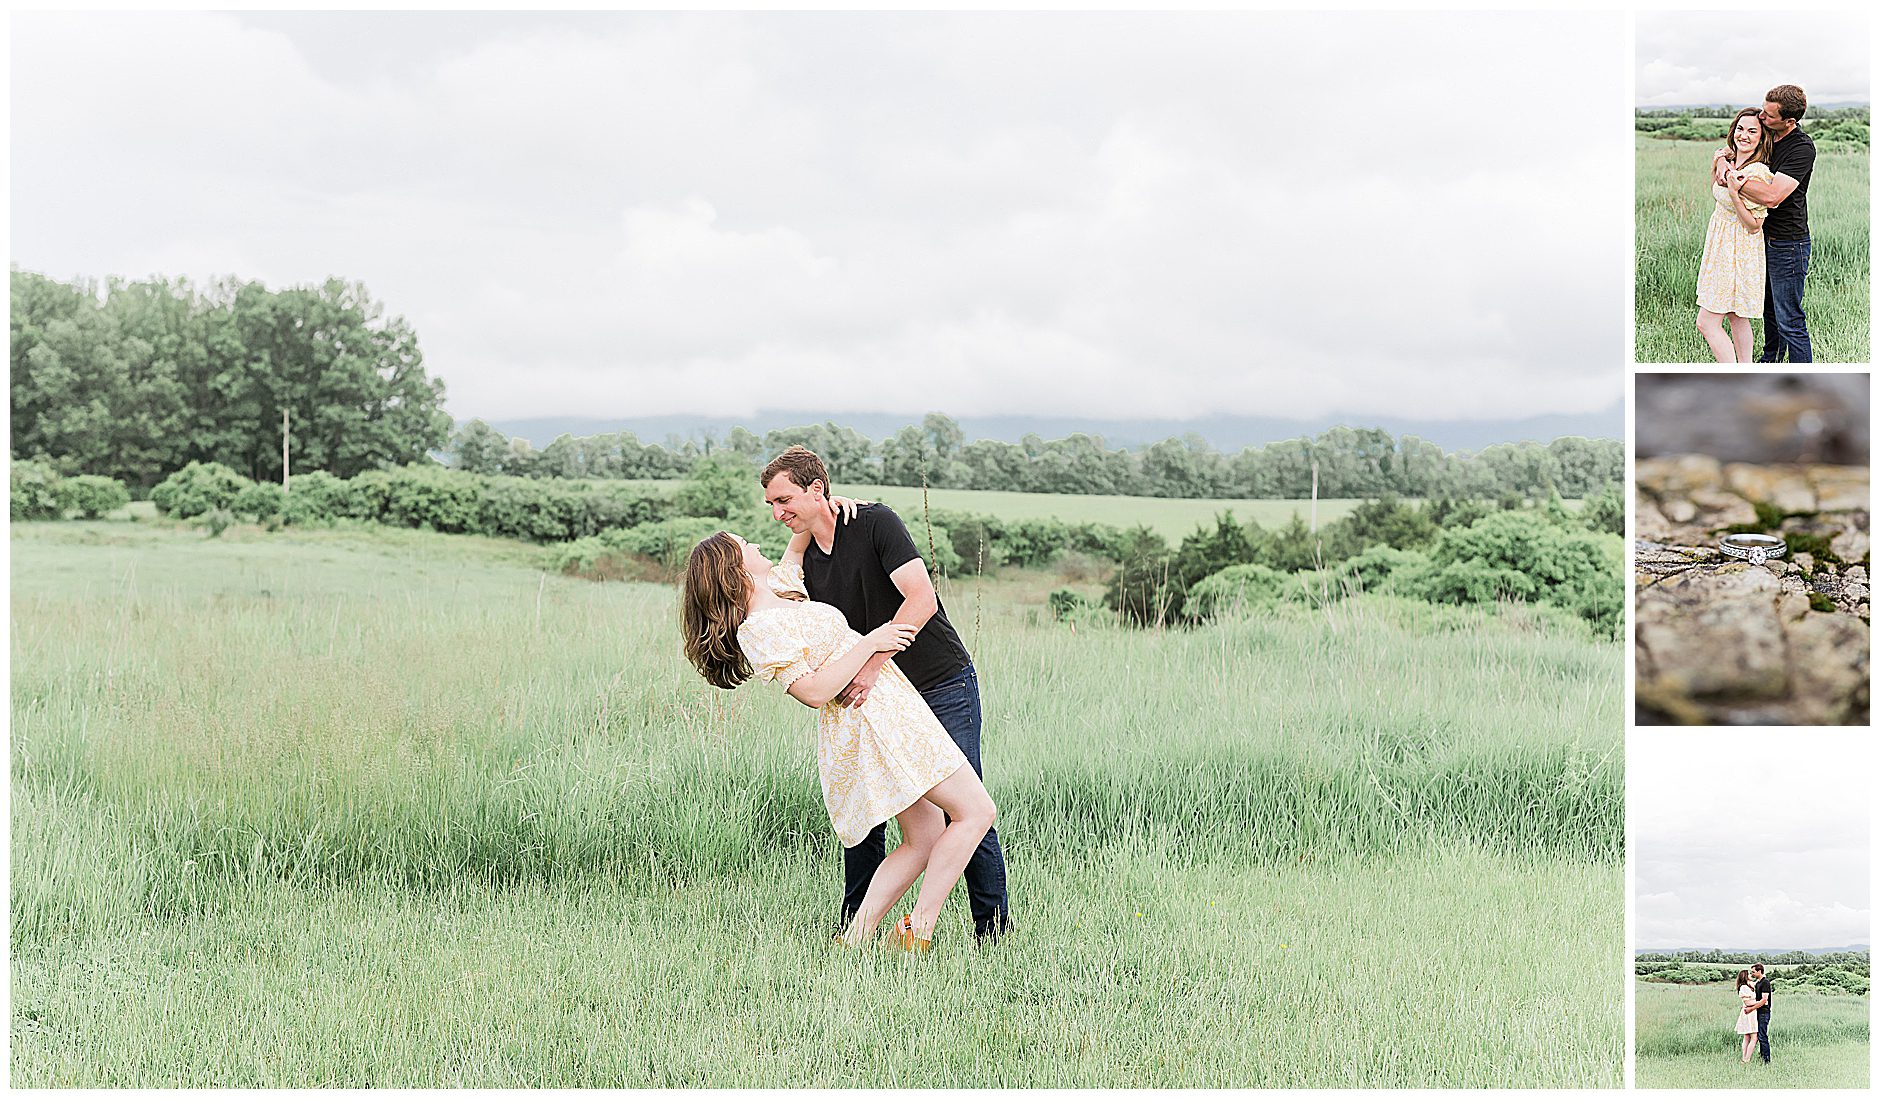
[
  {"x": 1103, "y": 215},
  {"x": 1751, "y": 838},
  {"x": 1692, "y": 57}
]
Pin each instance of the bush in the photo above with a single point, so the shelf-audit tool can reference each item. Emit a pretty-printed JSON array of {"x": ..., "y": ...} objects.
[
  {"x": 258, "y": 501},
  {"x": 719, "y": 487},
  {"x": 517, "y": 507},
  {"x": 1065, "y": 604},
  {"x": 1144, "y": 590},
  {"x": 35, "y": 491},
  {"x": 197, "y": 488},
  {"x": 217, "y": 520},
  {"x": 1236, "y": 589},
  {"x": 432, "y": 498},
  {"x": 942, "y": 559},
  {"x": 1525, "y": 555},
  {"x": 317, "y": 497},
  {"x": 1387, "y": 570},
  {"x": 92, "y": 496}
]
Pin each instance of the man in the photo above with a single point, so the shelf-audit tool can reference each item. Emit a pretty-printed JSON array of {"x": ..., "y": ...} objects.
[
  {"x": 1760, "y": 1005},
  {"x": 1785, "y": 230},
  {"x": 869, "y": 569}
]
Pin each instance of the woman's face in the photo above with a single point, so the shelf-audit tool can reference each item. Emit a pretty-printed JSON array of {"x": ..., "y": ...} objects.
[
  {"x": 1748, "y": 133},
  {"x": 755, "y": 562}
]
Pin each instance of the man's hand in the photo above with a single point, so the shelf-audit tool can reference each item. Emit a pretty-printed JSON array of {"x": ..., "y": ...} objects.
[
  {"x": 1716, "y": 165},
  {"x": 856, "y": 692}
]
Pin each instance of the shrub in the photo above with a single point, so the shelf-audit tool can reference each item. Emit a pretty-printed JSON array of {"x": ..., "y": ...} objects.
[
  {"x": 1065, "y": 604},
  {"x": 438, "y": 499},
  {"x": 1525, "y": 555},
  {"x": 1144, "y": 588},
  {"x": 517, "y": 507},
  {"x": 197, "y": 488},
  {"x": 1388, "y": 570},
  {"x": 35, "y": 491},
  {"x": 217, "y": 520},
  {"x": 259, "y": 500},
  {"x": 92, "y": 496},
  {"x": 317, "y": 497},
  {"x": 1236, "y": 589},
  {"x": 719, "y": 487}
]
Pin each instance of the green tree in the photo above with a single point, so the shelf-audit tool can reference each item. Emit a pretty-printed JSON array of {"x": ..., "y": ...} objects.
[{"x": 476, "y": 447}]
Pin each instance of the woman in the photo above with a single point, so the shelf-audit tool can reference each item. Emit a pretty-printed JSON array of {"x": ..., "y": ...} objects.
[
  {"x": 888, "y": 757},
  {"x": 1730, "y": 276},
  {"x": 1745, "y": 1020}
]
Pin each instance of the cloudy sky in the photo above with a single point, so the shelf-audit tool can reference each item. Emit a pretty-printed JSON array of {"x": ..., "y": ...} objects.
[
  {"x": 1719, "y": 866},
  {"x": 1693, "y": 57},
  {"x": 1088, "y": 215}
]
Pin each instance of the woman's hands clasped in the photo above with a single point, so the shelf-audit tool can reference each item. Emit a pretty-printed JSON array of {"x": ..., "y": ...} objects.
[{"x": 891, "y": 637}]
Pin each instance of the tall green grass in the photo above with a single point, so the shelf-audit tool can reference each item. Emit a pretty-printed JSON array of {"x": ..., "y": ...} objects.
[
  {"x": 264, "y": 785},
  {"x": 1673, "y": 208},
  {"x": 1684, "y": 1033}
]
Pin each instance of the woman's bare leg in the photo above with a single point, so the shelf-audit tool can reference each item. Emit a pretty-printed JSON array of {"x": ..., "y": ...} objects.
[
  {"x": 1742, "y": 338},
  {"x": 965, "y": 800},
  {"x": 1748, "y": 1041},
  {"x": 921, "y": 825},
  {"x": 1710, "y": 326}
]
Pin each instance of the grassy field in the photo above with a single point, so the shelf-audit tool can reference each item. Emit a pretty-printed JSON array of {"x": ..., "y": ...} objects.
[
  {"x": 1685, "y": 1039},
  {"x": 1673, "y": 207},
  {"x": 352, "y": 808}
]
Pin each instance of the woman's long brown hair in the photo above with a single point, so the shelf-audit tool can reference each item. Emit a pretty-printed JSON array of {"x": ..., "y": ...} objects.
[
  {"x": 1742, "y": 977},
  {"x": 1765, "y": 141},
  {"x": 712, "y": 606}
]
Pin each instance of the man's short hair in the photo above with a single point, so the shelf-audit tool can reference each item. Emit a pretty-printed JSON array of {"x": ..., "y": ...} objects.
[
  {"x": 1794, "y": 104},
  {"x": 803, "y": 466},
  {"x": 1757, "y": 967}
]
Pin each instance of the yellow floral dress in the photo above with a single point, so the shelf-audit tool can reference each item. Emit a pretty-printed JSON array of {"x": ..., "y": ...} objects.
[
  {"x": 1730, "y": 276},
  {"x": 876, "y": 759}
]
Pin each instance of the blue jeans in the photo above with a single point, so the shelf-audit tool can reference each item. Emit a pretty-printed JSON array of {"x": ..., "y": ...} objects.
[
  {"x": 956, "y": 703},
  {"x": 1762, "y": 1033},
  {"x": 1785, "y": 326}
]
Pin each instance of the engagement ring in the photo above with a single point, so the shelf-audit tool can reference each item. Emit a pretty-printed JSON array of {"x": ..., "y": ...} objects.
[{"x": 1754, "y": 548}]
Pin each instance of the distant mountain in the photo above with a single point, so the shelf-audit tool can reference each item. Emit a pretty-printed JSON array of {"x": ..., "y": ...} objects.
[
  {"x": 1224, "y": 433},
  {"x": 1856, "y": 948}
]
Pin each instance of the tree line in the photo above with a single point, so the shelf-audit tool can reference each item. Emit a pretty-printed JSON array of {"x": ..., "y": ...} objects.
[
  {"x": 1855, "y": 958},
  {"x": 1347, "y": 462},
  {"x": 133, "y": 380},
  {"x": 1841, "y": 125}
]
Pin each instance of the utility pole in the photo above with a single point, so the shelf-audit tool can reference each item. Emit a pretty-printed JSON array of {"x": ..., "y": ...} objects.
[{"x": 1315, "y": 495}]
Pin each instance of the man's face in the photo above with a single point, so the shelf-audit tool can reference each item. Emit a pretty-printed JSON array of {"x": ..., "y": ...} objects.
[
  {"x": 791, "y": 503},
  {"x": 1771, "y": 116}
]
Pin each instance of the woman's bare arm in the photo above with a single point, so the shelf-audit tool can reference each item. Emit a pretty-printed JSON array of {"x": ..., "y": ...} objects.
[
  {"x": 793, "y": 553},
  {"x": 816, "y": 689}
]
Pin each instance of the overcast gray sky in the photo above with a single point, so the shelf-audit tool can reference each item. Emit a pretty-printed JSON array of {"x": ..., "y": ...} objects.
[
  {"x": 1719, "y": 865},
  {"x": 1695, "y": 57},
  {"x": 1090, "y": 215}
]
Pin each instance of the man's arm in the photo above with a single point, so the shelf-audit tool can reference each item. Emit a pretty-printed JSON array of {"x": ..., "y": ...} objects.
[
  {"x": 918, "y": 604},
  {"x": 1771, "y": 193}
]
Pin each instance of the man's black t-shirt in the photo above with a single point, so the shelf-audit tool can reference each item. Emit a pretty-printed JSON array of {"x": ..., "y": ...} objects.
[
  {"x": 1794, "y": 156},
  {"x": 853, "y": 578},
  {"x": 1763, "y": 988}
]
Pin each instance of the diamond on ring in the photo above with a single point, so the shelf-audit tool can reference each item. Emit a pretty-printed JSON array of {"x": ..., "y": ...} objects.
[{"x": 1757, "y": 549}]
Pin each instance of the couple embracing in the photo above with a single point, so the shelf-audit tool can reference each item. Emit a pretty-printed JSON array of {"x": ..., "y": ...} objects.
[
  {"x": 849, "y": 624},
  {"x": 1752, "y": 1023},
  {"x": 1756, "y": 247}
]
